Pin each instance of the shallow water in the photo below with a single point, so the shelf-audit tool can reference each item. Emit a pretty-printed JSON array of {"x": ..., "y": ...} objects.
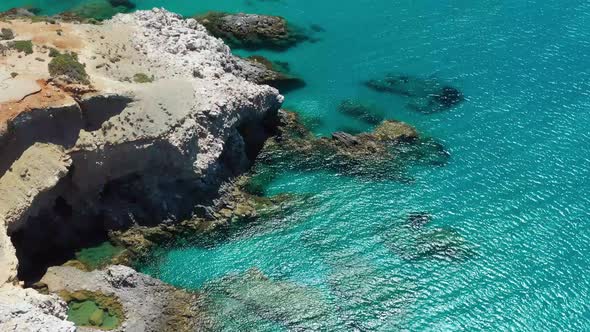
[
  {"x": 88, "y": 313},
  {"x": 514, "y": 189}
]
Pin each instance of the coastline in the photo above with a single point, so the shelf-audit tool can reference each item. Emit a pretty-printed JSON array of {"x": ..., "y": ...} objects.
[{"x": 184, "y": 134}]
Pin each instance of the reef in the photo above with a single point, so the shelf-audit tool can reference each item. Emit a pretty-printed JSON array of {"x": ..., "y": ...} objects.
[
  {"x": 383, "y": 153},
  {"x": 414, "y": 239},
  {"x": 252, "y": 31},
  {"x": 358, "y": 110},
  {"x": 274, "y": 74},
  {"x": 427, "y": 95},
  {"x": 88, "y": 152}
]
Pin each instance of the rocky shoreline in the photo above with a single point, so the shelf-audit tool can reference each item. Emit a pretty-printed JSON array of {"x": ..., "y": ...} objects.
[
  {"x": 144, "y": 129},
  {"x": 116, "y": 153}
]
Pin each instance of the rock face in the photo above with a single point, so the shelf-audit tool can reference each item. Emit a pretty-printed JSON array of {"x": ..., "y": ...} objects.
[
  {"x": 136, "y": 153},
  {"x": 115, "y": 153}
]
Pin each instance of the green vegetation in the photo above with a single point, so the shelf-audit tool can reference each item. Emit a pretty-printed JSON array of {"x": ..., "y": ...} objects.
[
  {"x": 53, "y": 52},
  {"x": 13, "y": 74},
  {"x": 142, "y": 78},
  {"x": 36, "y": 19},
  {"x": 67, "y": 65},
  {"x": 24, "y": 46},
  {"x": 6, "y": 34},
  {"x": 93, "y": 309}
]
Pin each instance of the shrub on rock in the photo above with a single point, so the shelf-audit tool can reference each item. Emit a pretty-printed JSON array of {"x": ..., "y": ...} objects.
[
  {"x": 67, "y": 66},
  {"x": 6, "y": 34},
  {"x": 23, "y": 46}
]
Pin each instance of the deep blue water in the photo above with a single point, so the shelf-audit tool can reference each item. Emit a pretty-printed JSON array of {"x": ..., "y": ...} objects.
[{"x": 515, "y": 187}]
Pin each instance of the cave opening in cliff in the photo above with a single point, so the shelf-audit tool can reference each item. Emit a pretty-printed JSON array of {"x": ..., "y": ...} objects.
[{"x": 51, "y": 239}]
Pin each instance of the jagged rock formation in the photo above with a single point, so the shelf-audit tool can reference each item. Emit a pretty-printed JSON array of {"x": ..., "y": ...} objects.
[
  {"x": 27, "y": 310},
  {"x": 382, "y": 154},
  {"x": 81, "y": 160},
  {"x": 148, "y": 304}
]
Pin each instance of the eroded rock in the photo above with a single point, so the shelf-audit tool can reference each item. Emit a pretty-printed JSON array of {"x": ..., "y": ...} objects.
[
  {"x": 139, "y": 154},
  {"x": 27, "y": 310},
  {"x": 147, "y": 304}
]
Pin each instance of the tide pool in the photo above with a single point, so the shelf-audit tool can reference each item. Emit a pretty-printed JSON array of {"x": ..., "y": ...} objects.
[{"x": 513, "y": 191}]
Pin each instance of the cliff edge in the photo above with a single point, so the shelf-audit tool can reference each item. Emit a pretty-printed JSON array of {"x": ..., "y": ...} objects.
[{"x": 163, "y": 116}]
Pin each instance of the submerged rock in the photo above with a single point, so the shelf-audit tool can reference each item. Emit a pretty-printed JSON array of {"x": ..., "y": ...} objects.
[
  {"x": 252, "y": 31},
  {"x": 96, "y": 10},
  {"x": 361, "y": 112},
  {"x": 412, "y": 240},
  {"x": 426, "y": 95},
  {"x": 255, "y": 298},
  {"x": 124, "y": 3},
  {"x": 419, "y": 219}
]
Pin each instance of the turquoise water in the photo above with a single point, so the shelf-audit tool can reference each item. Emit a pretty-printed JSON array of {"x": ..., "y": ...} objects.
[{"x": 515, "y": 189}]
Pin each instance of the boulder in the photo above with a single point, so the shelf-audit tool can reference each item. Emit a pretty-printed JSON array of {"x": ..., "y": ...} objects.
[{"x": 252, "y": 31}]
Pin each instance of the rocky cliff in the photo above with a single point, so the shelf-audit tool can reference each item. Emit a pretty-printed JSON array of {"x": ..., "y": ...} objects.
[{"x": 168, "y": 115}]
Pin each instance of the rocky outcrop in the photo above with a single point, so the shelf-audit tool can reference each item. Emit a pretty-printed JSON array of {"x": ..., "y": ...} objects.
[
  {"x": 384, "y": 153},
  {"x": 148, "y": 304},
  {"x": 137, "y": 154},
  {"x": 27, "y": 310},
  {"x": 427, "y": 95},
  {"x": 82, "y": 160},
  {"x": 252, "y": 31},
  {"x": 277, "y": 75}
]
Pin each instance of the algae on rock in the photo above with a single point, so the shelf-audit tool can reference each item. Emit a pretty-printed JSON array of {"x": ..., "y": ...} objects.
[{"x": 93, "y": 309}]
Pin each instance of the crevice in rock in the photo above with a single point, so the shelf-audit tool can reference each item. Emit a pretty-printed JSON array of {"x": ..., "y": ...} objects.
[
  {"x": 97, "y": 109},
  {"x": 137, "y": 184}
]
